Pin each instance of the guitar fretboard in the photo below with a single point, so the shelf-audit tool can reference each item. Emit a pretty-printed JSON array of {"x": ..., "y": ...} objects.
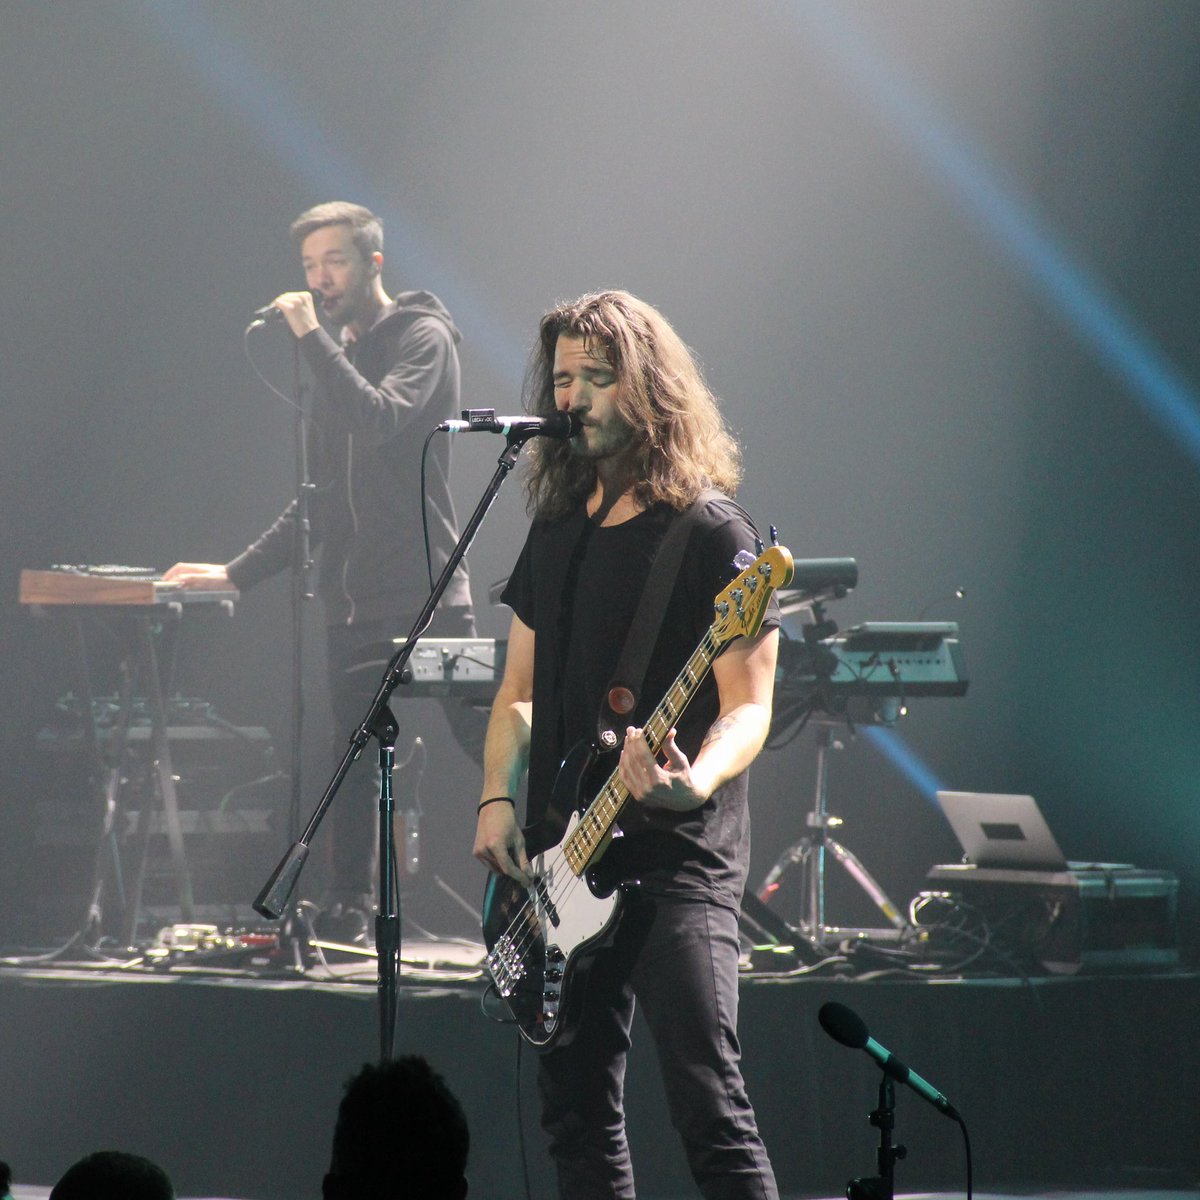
[
  {"x": 597, "y": 821},
  {"x": 739, "y": 611}
]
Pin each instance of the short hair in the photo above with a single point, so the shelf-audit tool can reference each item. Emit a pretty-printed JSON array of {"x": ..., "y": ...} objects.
[
  {"x": 400, "y": 1131},
  {"x": 114, "y": 1175},
  {"x": 366, "y": 229},
  {"x": 684, "y": 444}
]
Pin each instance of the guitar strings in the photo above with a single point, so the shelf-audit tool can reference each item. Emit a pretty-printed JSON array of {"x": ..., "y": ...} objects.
[{"x": 557, "y": 896}]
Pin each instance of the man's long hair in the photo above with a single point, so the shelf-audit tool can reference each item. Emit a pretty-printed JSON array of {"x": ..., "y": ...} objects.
[{"x": 682, "y": 443}]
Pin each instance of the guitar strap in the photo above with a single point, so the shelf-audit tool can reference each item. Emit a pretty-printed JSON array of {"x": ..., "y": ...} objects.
[{"x": 619, "y": 702}]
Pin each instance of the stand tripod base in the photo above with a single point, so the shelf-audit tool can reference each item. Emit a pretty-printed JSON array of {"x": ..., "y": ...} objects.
[{"x": 765, "y": 927}]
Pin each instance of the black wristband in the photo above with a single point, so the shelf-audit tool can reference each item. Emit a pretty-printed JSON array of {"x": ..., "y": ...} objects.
[{"x": 495, "y": 800}]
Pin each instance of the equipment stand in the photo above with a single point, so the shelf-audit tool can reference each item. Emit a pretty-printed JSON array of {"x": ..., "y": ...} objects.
[
  {"x": 302, "y": 592},
  {"x": 139, "y": 664},
  {"x": 809, "y": 854},
  {"x": 883, "y": 1185},
  {"x": 164, "y": 780},
  {"x": 387, "y": 920}
]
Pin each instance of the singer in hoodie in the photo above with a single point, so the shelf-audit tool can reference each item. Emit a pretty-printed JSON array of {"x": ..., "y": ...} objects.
[{"x": 390, "y": 376}]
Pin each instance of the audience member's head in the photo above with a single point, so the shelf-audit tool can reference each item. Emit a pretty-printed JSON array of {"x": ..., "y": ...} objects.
[
  {"x": 5, "y": 1180},
  {"x": 112, "y": 1175},
  {"x": 400, "y": 1133}
]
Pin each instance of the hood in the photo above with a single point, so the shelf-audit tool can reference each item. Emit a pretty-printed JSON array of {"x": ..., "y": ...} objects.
[{"x": 407, "y": 306}]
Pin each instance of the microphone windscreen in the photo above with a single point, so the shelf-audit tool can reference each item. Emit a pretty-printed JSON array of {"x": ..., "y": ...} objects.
[
  {"x": 563, "y": 424},
  {"x": 843, "y": 1025}
]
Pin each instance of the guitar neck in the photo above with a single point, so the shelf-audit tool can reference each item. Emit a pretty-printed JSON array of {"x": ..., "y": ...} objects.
[{"x": 596, "y": 823}]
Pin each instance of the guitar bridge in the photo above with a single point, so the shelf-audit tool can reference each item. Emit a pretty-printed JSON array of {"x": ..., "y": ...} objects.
[{"x": 505, "y": 965}]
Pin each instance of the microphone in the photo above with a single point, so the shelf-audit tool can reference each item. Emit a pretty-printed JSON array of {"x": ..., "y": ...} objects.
[
  {"x": 484, "y": 420},
  {"x": 846, "y": 1026},
  {"x": 268, "y": 313}
]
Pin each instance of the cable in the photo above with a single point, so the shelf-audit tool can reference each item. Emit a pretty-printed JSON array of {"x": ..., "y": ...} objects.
[
  {"x": 425, "y": 507},
  {"x": 521, "y": 1128},
  {"x": 967, "y": 1149},
  {"x": 265, "y": 381}
]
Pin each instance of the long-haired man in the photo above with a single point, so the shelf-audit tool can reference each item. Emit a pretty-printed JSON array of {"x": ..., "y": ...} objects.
[{"x": 651, "y": 444}]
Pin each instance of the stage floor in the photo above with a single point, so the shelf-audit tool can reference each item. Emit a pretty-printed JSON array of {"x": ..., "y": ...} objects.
[{"x": 231, "y": 1079}]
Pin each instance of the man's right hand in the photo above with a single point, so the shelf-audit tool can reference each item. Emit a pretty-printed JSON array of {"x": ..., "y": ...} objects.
[
  {"x": 499, "y": 843},
  {"x": 198, "y": 575}
]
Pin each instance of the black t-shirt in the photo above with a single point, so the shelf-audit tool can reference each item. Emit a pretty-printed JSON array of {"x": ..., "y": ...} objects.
[{"x": 577, "y": 585}]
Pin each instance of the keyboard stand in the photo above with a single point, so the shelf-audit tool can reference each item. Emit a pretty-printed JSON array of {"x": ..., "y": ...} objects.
[{"x": 139, "y": 665}]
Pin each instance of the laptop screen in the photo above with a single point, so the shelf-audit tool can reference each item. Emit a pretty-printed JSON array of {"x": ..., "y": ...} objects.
[{"x": 1002, "y": 830}]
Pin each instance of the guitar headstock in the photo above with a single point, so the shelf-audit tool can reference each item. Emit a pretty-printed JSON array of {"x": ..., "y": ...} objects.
[{"x": 739, "y": 609}]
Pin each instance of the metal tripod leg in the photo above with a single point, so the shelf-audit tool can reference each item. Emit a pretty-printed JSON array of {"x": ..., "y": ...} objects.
[
  {"x": 105, "y": 774},
  {"x": 164, "y": 787},
  {"x": 809, "y": 854},
  {"x": 866, "y": 881}
]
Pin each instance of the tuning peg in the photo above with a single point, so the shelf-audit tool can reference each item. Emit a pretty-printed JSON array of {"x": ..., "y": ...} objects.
[{"x": 774, "y": 536}]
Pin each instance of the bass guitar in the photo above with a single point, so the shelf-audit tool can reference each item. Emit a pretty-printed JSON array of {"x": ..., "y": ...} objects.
[{"x": 540, "y": 940}]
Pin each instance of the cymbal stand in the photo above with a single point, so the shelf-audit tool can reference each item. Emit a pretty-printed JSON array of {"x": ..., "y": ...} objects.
[{"x": 810, "y": 851}]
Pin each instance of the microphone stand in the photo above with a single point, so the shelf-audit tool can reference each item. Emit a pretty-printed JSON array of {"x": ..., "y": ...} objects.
[
  {"x": 883, "y": 1185},
  {"x": 380, "y": 723},
  {"x": 301, "y": 588}
]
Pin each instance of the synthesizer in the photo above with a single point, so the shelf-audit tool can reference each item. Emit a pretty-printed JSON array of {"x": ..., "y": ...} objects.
[{"x": 107, "y": 585}]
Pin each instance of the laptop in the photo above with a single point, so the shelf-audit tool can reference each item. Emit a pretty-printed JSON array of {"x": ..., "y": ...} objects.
[{"x": 1000, "y": 830}]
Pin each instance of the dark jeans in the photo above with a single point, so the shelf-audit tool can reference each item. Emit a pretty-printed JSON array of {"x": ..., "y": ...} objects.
[
  {"x": 679, "y": 960},
  {"x": 354, "y": 816}
]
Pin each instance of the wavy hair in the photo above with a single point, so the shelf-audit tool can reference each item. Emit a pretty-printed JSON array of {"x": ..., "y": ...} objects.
[{"x": 684, "y": 444}]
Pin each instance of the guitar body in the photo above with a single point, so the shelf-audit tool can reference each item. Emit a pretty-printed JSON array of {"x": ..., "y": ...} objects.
[{"x": 541, "y": 942}]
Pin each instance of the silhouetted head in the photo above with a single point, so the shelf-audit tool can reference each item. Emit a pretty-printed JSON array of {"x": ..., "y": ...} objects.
[
  {"x": 113, "y": 1175},
  {"x": 400, "y": 1133}
]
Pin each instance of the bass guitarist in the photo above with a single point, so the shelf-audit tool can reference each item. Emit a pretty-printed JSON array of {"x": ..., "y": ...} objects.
[{"x": 652, "y": 450}]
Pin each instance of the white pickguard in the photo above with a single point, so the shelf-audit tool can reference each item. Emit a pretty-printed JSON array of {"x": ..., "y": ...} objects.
[{"x": 582, "y": 916}]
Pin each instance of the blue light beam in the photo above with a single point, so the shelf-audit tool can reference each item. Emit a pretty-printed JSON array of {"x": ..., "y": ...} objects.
[
  {"x": 902, "y": 756},
  {"x": 292, "y": 134},
  {"x": 1095, "y": 314}
]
